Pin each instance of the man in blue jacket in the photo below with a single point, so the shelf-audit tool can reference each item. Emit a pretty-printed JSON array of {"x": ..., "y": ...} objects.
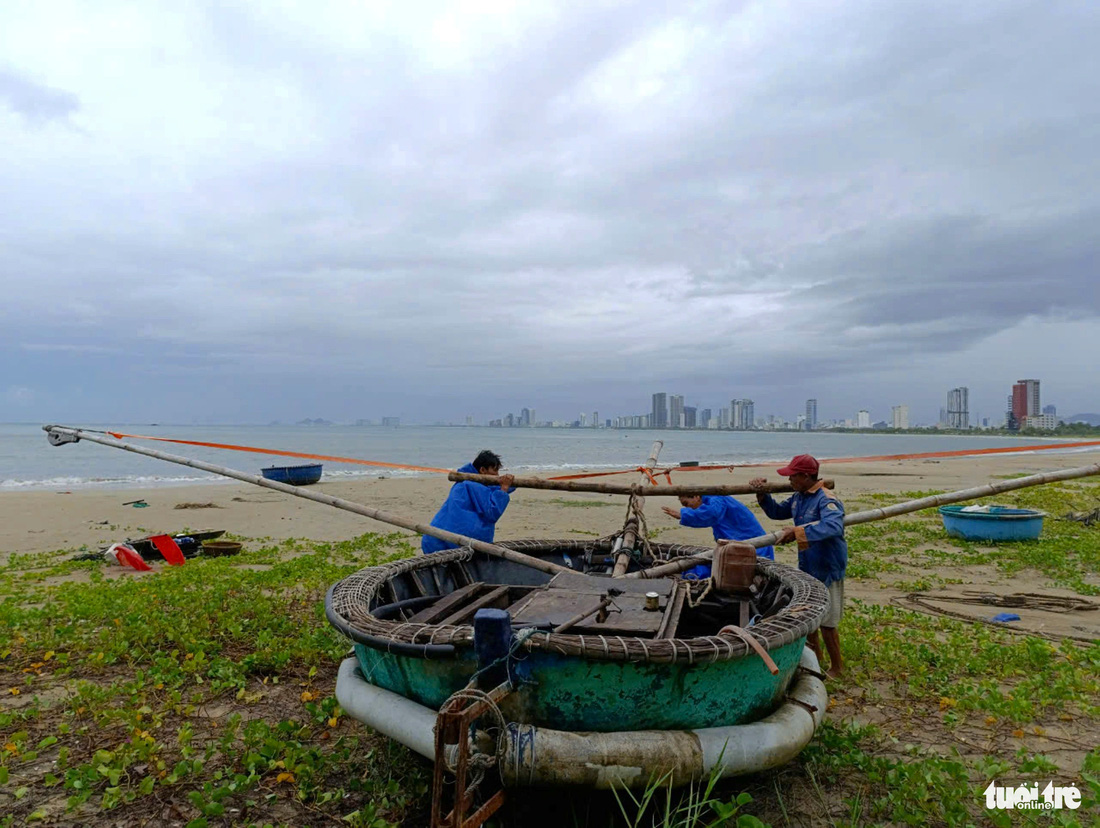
[
  {"x": 822, "y": 551},
  {"x": 472, "y": 509},
  {"x": 728, "y": 518}
]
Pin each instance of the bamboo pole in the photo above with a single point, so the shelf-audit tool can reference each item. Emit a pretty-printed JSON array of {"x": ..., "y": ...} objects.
[
  {"x": 645, "y": 488},
  {"x": 630, "y": 529},
  {"x": 870, "y": 515},
  {"x": 329, "y": 500}
]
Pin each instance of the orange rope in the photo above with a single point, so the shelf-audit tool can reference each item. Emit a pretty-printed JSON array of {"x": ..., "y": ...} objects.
[
  {"x": 118, "y": 436},
  {"x": 651, "y": 474},
  {"x": 869, "y": 459}
]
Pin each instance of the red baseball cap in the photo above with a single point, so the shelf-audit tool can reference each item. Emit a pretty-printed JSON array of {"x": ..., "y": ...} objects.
[{"x": 802, "y": 463}]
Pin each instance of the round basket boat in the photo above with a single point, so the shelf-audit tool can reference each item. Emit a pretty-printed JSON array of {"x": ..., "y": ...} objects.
[
  {"x": 992, "y": 523},
  {"x": 675, "y": 669}
]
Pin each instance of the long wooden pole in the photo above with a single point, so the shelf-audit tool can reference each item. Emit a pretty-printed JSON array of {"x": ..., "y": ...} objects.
[
  {"x": 328, "y": 500},
  {"x": 645, "y": 488},
  {"x": 630, "y": 530},
  {"x": 681, "y": 564}
]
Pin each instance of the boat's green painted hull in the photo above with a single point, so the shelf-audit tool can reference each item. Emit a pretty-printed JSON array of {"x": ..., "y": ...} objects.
[{"x": 570, "y": 693}]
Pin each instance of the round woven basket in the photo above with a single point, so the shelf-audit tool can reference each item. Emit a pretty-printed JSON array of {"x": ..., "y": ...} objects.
[{"x": 214, "y": 549}]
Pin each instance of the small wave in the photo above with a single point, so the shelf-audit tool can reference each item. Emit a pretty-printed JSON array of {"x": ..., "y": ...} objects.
[{"x": 129, "y": 481}]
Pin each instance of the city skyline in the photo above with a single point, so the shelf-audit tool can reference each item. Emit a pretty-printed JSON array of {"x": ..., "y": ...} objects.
[{"x": 1023, "y": 409}]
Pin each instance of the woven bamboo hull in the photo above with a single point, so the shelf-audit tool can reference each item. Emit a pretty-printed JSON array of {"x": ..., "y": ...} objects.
[{"x": 570, "y": 690}]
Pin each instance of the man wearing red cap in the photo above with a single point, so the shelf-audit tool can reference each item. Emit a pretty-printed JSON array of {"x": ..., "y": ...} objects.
[{"x": 822, "y": 551}]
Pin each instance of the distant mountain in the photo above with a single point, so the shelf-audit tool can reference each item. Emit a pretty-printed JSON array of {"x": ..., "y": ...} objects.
[{"x": 1091, "y": 419}]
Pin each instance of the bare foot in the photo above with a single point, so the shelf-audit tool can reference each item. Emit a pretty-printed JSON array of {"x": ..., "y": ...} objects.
[{"x": 831, "y": 673}]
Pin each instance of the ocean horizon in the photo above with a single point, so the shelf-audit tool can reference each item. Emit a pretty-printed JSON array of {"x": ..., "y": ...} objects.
[{"x": 28, "y": 462}]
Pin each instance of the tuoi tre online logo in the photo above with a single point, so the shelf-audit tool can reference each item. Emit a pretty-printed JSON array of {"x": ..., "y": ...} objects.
[{"x": 1029, "y": 797}]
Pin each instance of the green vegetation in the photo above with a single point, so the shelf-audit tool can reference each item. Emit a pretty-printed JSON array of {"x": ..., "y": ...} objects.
[
  {"x": 204, "y": 694},
  {"x": 204, "y": 691}
]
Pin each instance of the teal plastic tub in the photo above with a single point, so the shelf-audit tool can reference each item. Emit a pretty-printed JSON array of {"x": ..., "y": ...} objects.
[{"x": 997, "y": 523}]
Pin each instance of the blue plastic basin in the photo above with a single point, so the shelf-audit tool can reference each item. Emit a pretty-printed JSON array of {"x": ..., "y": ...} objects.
[{"x": 999, "y": 523}]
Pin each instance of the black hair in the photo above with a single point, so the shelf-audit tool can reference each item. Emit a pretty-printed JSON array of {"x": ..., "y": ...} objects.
[{"x": 487, "y": 460}]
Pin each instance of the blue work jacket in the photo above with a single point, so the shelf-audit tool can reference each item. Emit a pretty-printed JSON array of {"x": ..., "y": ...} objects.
[
  {"x": 730, "y": 520},
  {"x": 471, "y": 509},
  {"x": 822, "y": 550}
]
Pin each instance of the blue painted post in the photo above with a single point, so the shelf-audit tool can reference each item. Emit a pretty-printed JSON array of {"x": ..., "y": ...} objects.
[{"x": 492, "y": 638}]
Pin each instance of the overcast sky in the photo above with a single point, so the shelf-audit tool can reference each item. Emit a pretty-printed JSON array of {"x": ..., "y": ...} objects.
[{"x": 241, "y": 212}]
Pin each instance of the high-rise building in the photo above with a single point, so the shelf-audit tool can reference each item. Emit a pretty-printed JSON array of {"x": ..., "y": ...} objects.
[
  {"x": 899, "y": 416},
  {"x": 659, "y": 417},
  {"x": 689, "y": 416},
  {"x": 1030, "y": 393},
  {"x": 1052, "y": 410},
  {"x": 735, "y": 414},
  {"x": 723, "y": 418},
  {"x": 958, "y": 407},
  {"x": 534, "y": 418},
  {"x": 811, "y": 414},
  {"x": 1025, "y": 400},
  {"x": 748, "y": 415},
  {"x": 676, "y": 411},
  {"x": 525, "y": 417},
  {"x": 704, "y": 418},
  {"x": 595, "y": 419},
  {"x": 863, "y": 419}
]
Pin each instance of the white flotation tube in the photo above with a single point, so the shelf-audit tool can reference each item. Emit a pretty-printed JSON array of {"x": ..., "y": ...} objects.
[{"x": 532, "y": 755}]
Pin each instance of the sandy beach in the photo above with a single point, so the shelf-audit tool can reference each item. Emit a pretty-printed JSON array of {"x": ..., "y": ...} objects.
[{"x": 42, "y": 521}]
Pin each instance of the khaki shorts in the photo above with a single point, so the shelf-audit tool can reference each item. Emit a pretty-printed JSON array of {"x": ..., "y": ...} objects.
[{"x": 836, "y": 604}]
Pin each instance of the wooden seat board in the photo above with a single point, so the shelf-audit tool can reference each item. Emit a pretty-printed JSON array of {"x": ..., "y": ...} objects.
[
  {"x": 464, "y": 615},
  {"x": 447, "y": 604}
]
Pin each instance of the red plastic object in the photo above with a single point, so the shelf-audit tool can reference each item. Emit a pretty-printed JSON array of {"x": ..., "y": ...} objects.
[
  {"x": 126, "y": 555},
  {"x": 169, "y": 549}
]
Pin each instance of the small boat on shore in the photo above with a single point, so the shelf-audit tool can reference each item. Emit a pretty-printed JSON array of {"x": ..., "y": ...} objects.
[
  {"x": 303, "y": 475},
  {"x": 596, "y": 681},
  {"x": 992, "y": 523}
]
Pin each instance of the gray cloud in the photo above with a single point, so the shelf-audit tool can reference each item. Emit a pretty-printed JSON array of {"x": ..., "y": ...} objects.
[
  {"x": 37, "y": 103},
  {"x": 552, "y": 206}
]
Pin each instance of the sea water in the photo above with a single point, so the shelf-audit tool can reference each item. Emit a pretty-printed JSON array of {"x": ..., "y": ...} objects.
[{"x": 27, "y": 461}]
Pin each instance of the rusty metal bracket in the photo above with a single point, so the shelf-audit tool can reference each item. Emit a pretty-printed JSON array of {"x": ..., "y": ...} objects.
[{"x": 454, "y": 731}]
